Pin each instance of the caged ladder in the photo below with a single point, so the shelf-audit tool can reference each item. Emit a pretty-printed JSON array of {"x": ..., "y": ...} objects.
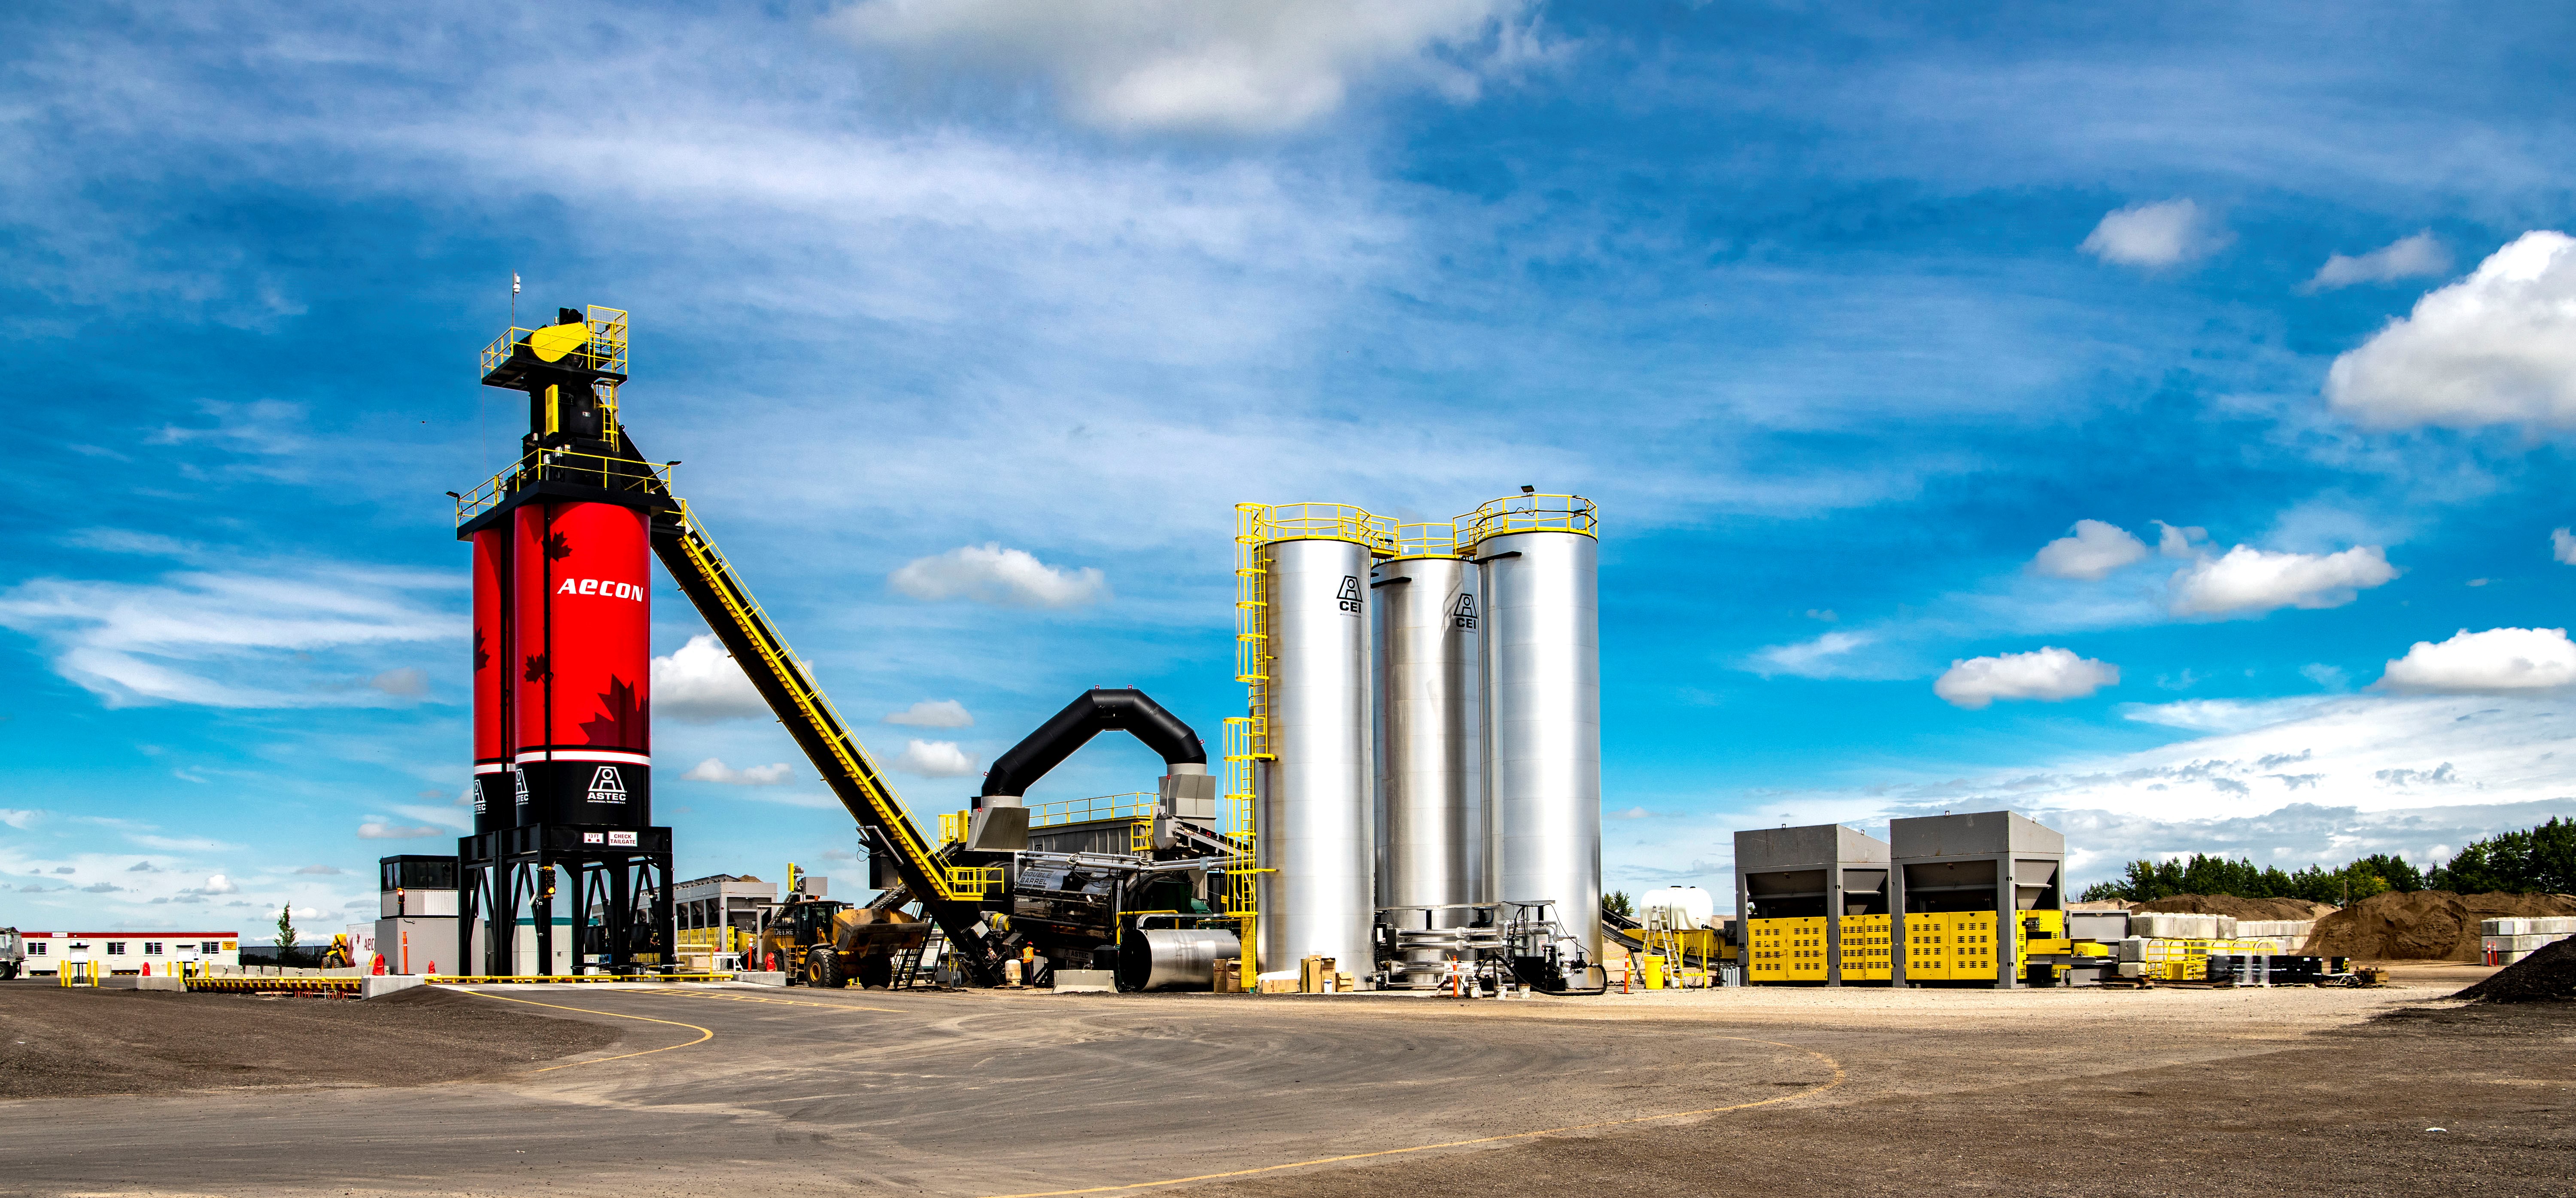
[{"x": 907, "y": 965}]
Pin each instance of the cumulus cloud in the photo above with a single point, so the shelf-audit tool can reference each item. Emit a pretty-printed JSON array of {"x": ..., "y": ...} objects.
[
  {"x": 381, "y": 829},
  {"x": 935, "y": 759},
  {"x": 1232, "y": 68},
  {"x": 141, "y": 867},
  {"x": 933, "y": 713},
  {"x": 1823, "y": 657},
  {"x": 989, "y": 573},
  {"x": 2051, "y": 674},
  {"x": 2249, "y": 581},
  {"x": 219, "y": 884},
  {"x": 2499, "y": 660},
  {"x": 2419, "y": 256},
  {"x": 700, "y": 684},
  {"x": 2497, "y": 347},
  {"x": 2174, "y": 541},
  {"x": 100, "y": 888},
  {"x": 265, "y": 639},
  {"x": 2562, "y": 545},
  {"x": 2155, "y": 235},
  {"x": 21, "y": 818},
  {"x": 713, "y": 770},
  {"x": 2091, "y": 554}
]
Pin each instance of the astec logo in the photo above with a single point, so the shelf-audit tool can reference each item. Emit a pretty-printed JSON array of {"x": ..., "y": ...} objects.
[{"x": 601, "y": 587}]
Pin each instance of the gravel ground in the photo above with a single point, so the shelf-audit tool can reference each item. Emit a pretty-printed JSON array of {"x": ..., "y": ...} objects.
[{"x": 59, "y": 1043}]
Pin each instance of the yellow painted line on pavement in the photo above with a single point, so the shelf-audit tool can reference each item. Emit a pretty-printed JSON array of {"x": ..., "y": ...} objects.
[
  {"x": 1811, "y": 1092},
  {"x": 786, "y": 1002},
  {"x": 704, "y": 1034}
]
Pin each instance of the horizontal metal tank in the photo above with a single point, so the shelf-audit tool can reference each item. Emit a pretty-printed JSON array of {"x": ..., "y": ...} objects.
[
  {"x": 1175, "y": 958},
  {"x": 1538, "y": 566},
  {"x": 1313, "y": 811},
  {"x": 1431, "y": 734}
]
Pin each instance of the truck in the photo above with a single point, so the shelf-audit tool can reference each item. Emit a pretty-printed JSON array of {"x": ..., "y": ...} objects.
[{"x": 13, "y": 953}]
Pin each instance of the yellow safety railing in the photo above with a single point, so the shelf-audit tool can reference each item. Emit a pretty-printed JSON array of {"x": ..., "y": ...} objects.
[
  {"x": 1427, "y": 540},
  {"x": 953, "y": 825},
  {"x": 1134, "y": 804},
  {"x": 1529, "y": 513},
  {"x": 605, "y": 350},
  {"x": 77, "y": 973},
  {"x": 563, "y": 465},
  {"x": 972, "y": 881},
  {"x": 1321, "y": 521},
  {"x": 848, "y": 756}
]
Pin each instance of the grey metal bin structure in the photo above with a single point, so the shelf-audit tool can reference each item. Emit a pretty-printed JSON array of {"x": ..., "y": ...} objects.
[
  {"x": 1979, "y": 861},
  {"x": 1820, "y": 870}
]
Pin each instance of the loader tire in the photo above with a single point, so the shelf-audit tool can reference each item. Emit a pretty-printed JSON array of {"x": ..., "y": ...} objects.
[{"x": 823, "y": 969}]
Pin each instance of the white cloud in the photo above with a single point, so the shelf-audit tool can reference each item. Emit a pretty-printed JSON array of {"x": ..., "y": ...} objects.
[
  {"x": 1822, "y": 657},
  {"x": 989, "y": 573},
  {"x": 2091, "y": 554},
  {"x": 21, "y": 818},
  {"x": 2220, "y": 715},
  {"x": 2499, "y": 660},
  {"x": 381, "y": 829},
  {"x": 2154, "y": 235},
  {"x": 271, "y": 639},
  {"x": 935, "y": 759},
  {"x": 2496, "y": 347},
  {"x": 713, "y": 770},
  {"x": 934, "y": 713},
  {"x": 2249, "y": 581},
  {"x": 2176, "y": 541},
  {"x": 2562, "y": 546},
  {"x": 2413, "y": 257},
  {"x": 2051, "y": 674},
  {"x": 219, "y": 884},
  {"x": 700, "y": 683},
  {"x": 1188, "y": 65}
]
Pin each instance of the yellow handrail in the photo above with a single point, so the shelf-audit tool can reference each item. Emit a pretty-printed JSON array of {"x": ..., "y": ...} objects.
[
  {"x": 563, "y": 465},
  {"x": 1427, "y": 540},
  {"x": 1529, "y": 513},
  {"x": 1134, "y": 804}
]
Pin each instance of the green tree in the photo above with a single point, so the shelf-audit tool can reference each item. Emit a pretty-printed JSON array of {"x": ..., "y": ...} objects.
[
  {"x": 2540, "y": 859},
  {"x": 286, "y": 935},
  {"x": 1618, "y": 903}
]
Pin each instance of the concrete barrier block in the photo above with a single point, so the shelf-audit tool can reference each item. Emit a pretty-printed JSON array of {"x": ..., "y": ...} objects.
[
  {"x": 762, "y": 978},
  {"x": 1086, "y": 981},
  {"x": 391, "y": 983}
]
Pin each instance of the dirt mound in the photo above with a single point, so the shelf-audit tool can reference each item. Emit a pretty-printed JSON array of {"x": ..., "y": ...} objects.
[
  {"x": 2423, "y": 925},
  {"x": 2548, "y": 975},
  {"x": 2240, "y": 908}
]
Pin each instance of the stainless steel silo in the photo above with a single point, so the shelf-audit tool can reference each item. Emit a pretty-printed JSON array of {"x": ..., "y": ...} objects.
[
  {"x": 1431, "y": 733},
  {"x": 1538, "y": 567},
  {"x": 1313, "y": 820}
]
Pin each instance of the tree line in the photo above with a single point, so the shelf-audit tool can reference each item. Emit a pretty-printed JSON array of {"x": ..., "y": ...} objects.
[{"x": 2541, "y": 859}]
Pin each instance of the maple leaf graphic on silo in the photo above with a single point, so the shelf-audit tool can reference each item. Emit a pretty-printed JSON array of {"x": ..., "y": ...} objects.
[{"x": 623, "y": 721}]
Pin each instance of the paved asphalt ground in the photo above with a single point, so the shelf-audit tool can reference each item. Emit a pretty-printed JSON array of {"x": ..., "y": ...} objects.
[{"x": 754, "y": 1090}]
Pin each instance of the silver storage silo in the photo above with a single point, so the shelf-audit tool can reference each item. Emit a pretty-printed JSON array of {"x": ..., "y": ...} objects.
[
  {"x": 1538, "y": 569},
  {"x": 1312, "y": 807},
  {"x": 1431, "y": 734}
]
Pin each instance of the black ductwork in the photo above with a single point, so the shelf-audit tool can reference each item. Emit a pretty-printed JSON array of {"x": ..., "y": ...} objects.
[{"x": 1097, "y": 711}]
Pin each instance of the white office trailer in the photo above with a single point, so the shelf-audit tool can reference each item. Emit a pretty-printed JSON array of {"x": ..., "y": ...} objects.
[
  {"x": 416, "y": 909},
  {"x": 158, "y": 953}
]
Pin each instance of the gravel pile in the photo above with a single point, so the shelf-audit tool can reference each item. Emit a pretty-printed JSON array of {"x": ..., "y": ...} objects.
[
  {"x": 2423, "y": 925},
  {"x": 2547, "y": 975},
  {"x": 2240, "y": 908}
]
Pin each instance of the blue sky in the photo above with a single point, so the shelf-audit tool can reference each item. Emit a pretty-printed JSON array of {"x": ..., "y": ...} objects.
[{"x": 971, "y": 322}]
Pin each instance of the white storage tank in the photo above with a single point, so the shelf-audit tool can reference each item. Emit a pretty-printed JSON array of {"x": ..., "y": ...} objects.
[{"x": 1677, "y": 909}]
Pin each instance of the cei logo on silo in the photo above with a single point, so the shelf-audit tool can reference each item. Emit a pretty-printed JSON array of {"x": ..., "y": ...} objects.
[
  {"x": 601, "y": 587},
  {"x": 1464, "y": 615},
  {"x": 1350, "y": 595}
]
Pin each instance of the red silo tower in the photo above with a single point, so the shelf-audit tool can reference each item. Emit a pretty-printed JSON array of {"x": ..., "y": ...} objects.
[{"x": 562, "y": 665}]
